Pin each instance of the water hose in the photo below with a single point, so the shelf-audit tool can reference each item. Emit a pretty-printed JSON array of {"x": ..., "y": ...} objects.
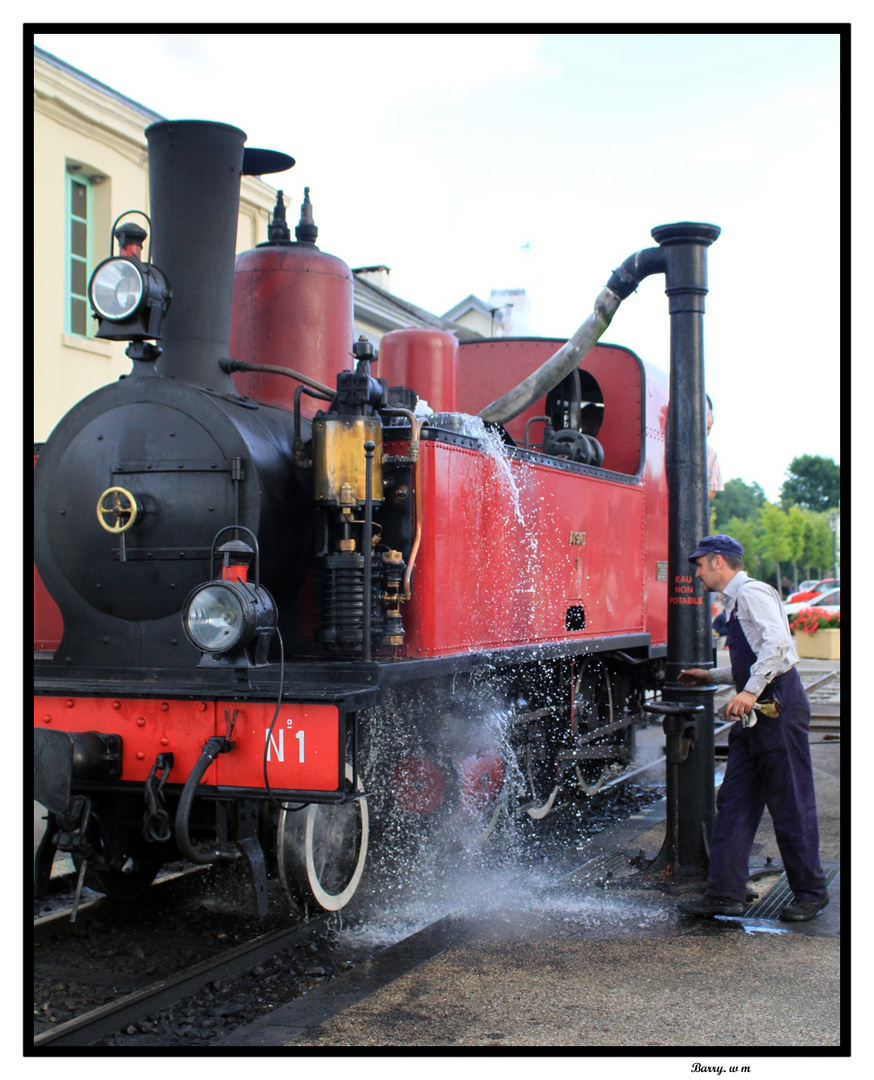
[{"x": 623, "y": 281}]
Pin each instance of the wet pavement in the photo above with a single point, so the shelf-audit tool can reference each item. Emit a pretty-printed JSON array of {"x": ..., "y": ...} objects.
[{"x": 601, "y": 960}]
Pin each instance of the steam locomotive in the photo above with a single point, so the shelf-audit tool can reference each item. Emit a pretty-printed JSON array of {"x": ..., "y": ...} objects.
[{"x": 288, "y": 587}]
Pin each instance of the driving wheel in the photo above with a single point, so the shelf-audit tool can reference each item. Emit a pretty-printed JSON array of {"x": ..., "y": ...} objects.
[
  {"x": 540, "y": 770},
  {"x": 593, "y": 708},
  {"x": 321, "y": 851}
]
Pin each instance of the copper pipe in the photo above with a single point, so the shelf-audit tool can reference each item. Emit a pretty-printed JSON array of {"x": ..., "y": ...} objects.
[
  {"x": 273, "y": 369},
  {"x": 414, "y": 461}
]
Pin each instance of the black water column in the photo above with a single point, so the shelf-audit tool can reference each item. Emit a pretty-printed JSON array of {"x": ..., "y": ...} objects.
[{"x": 684, "y": 246}]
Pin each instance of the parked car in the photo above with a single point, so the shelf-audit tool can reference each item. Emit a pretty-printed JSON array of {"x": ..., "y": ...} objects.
[
  {"x": 813, "y": 589},
  {"x": 828, "y": 601}
]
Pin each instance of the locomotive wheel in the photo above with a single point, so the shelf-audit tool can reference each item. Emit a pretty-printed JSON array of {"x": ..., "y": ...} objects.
[
  {"x": 483, "y": 798},
  {"x": 540, "y": 773},
  {"x": 593, "y": 706},
  {"x": 321, "y": 851}
]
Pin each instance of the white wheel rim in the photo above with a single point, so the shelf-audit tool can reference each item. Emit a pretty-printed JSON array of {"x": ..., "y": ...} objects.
[{"x": 296, "y": 848}]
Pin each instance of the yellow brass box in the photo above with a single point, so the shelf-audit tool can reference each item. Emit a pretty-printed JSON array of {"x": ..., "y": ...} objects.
[{"x": 339, "y": 462}]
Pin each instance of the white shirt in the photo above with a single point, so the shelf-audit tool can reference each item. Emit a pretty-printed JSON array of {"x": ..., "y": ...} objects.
[
  {"x": 714, "y": 473},
  {"x": 766, "y": 628}
]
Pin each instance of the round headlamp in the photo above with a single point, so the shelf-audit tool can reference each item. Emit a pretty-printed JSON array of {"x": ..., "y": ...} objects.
[
  {"x": 116, "y": 289},
  {"x": 215, "y": 617},
  {"x": 220, "y": 616}
]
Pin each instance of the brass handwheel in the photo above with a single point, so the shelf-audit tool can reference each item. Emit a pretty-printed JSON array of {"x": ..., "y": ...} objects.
[{"x": 117, "y": 510}]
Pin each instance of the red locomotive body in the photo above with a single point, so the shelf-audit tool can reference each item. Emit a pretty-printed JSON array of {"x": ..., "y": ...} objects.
[
  {"x": 549, "y": 551},
  {"x": 546, "y": 552},
  {"x": 331, "y": 595},
  {"x": 48, "y": 625}
]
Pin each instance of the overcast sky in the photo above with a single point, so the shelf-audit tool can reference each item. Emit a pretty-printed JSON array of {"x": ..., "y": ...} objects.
[{"x": 470, "y": 162}]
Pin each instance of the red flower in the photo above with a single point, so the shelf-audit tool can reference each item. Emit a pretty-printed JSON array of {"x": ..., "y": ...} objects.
[{"x": 809, "y": 620}]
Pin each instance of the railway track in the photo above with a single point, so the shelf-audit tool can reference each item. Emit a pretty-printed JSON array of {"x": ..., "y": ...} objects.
[
  {"x": 192, "y": 934},
  {"x": 91, "y": 1026}
]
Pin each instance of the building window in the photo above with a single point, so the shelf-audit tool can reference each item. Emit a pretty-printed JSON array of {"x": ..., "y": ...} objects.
[{"x": 79, "y": 227}]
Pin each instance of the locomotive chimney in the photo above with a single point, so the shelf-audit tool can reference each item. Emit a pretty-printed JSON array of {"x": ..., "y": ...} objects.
[{"x": 194, "y": 185}]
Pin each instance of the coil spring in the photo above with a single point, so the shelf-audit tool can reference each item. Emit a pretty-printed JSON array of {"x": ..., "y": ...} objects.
[{"x": 341, "y": 588}]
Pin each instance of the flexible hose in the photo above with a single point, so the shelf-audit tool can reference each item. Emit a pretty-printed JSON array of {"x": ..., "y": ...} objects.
[
  {"x": 214, "y": 746},
  {"x": 230, "y": 366},
  {"x": 559, "y": 365},
  {"x": 623, "y": 281}
]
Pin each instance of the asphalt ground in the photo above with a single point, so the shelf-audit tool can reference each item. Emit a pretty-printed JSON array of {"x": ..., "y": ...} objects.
[{"x": 603, "y": 964}]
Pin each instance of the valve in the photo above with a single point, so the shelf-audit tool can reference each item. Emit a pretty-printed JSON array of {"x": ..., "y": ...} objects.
[
  {"x": 117, "y": 510},
  {"x": 680, "y": 727}
]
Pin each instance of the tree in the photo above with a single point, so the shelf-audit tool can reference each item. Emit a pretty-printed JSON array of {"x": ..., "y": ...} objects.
[
  {"x": 738, "y": 500},
  {"x": 796, "y": 534},
  {"x": 818, "y": 545},
  {"x": 775, "y": 542},
  {"x": 744, "y": 531},
  {"x": 813, "y": 483}
]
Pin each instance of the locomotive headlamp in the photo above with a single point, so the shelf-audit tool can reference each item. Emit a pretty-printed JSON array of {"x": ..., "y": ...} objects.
[
  {"x": 215, "y": 618},
  {"x": 116, "y": 288},
  {"x": 129, "y": 297},
  {"x": 231, "y": 618},
  {"x": 221, "y": 617}
]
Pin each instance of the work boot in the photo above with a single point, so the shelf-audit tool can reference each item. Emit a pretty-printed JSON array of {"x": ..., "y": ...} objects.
[
  {"x": 712, "y": 905},
  {"x": 802, "y": 910}
]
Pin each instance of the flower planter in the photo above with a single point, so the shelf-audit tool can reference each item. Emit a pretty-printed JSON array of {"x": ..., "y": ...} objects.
[{"x": 823, "y": 645}]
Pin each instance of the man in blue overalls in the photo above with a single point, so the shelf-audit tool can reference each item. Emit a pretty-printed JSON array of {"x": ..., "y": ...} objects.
[{"x": 768, "y": 748}]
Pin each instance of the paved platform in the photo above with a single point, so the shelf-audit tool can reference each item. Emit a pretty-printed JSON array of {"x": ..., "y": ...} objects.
[{"x": 598, "y": 965}]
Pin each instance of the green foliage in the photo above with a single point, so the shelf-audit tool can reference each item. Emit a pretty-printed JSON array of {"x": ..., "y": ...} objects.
[
  {"x": 774, "y": 542},
  {"x": 818, "y": 548},
  {"x": 813, "y": 483},
  {"x": 796, "y": 534},
  {"x": 777, "y": 542},
  {"x": 787, "y": 542},
  {"x": 738, "y": 500},
  {"x": 745, "y": 531}
]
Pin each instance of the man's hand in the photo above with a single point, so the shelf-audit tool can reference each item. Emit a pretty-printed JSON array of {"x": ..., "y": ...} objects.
[
  {"x": 691, "y": 676},
  {"x": 740, "y": 705}
]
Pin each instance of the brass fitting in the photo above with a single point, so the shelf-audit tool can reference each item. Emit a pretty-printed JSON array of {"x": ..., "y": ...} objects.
[{"x": 339, "y": 462}]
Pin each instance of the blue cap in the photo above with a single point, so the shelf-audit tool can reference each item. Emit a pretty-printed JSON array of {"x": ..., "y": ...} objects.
[{"x": 718, "y": 544}]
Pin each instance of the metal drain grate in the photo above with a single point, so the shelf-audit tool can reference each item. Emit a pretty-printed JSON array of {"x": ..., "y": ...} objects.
[{"x": 769, "y": 905}]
